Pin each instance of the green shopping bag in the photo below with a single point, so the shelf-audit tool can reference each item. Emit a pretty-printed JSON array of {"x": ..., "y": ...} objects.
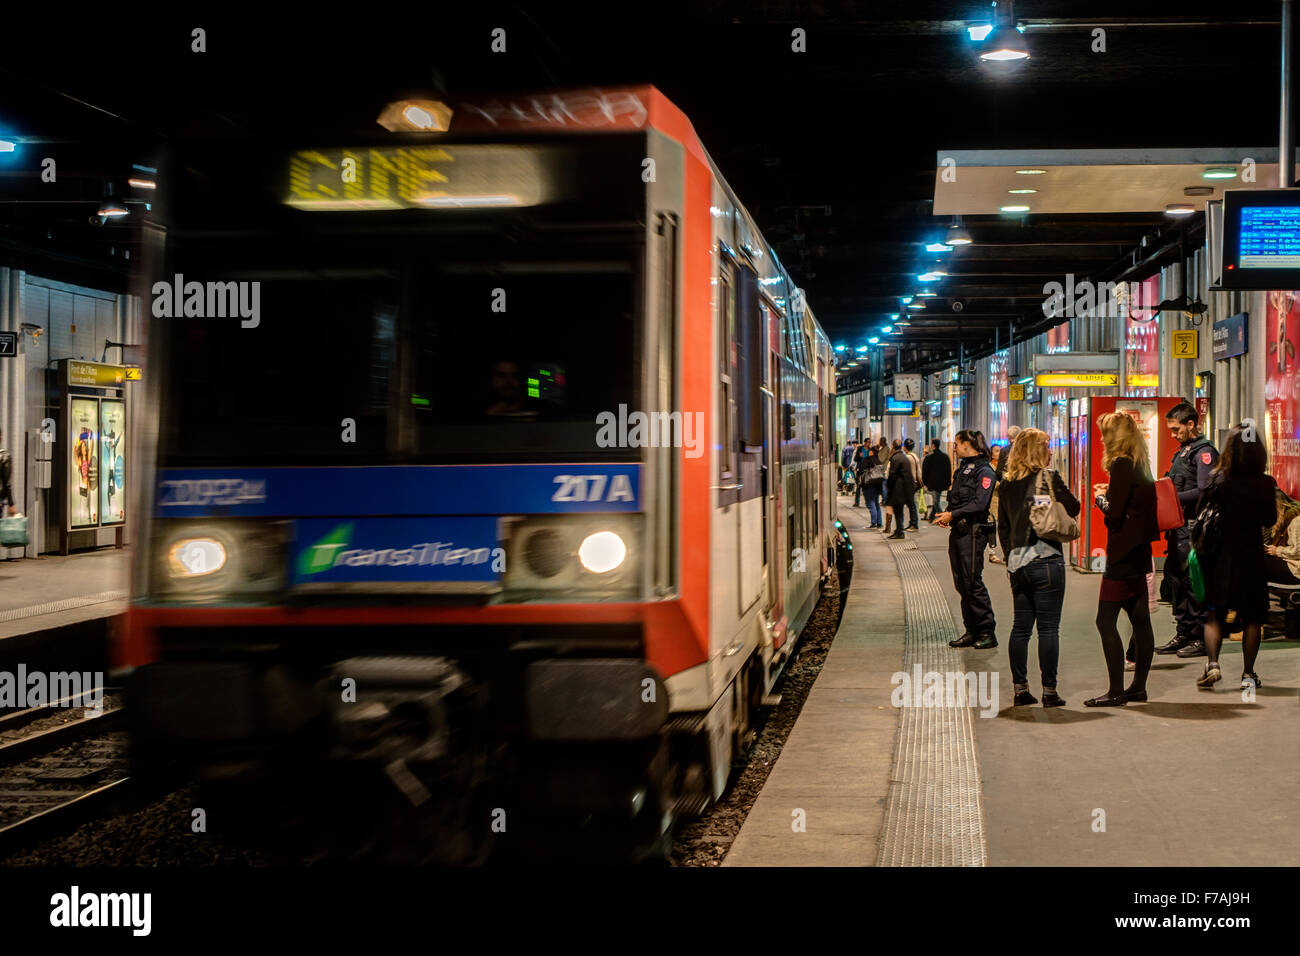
[
  {"x": 13, "y": 531},
  {"x": 1196, "y": 573}
]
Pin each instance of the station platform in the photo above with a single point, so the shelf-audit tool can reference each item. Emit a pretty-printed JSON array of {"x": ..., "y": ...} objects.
[
  {"x": 1191, "y": 778},
  {"x": 38, "y": 594}
]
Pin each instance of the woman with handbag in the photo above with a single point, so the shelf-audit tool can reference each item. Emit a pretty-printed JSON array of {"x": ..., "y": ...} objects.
[
  {"x": 1036, "y": 513},
  {"x": 1234, "y": 508},
  {"x": 1129, "y": 504}
]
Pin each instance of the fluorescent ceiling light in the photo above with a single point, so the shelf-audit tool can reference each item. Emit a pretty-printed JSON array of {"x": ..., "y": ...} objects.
[
  {"x": 1179, "y": 209},
  {"x": 1220, "y": 172},
  {"x": 1021, "y": 192},
  {"x": 1030, "y": 172},
  {"x": 980, "y": 32},
  {"x": 938, "y": 247},
  {"x": 1014, "y": 208}
]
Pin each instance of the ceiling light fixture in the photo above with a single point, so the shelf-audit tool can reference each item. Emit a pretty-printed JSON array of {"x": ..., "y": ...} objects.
[
  {"x": 1021, "y": 192},
  {"x": 1005, "y": 42},
  {"x": 1014, "y": 208},
  {"x": 1220, "y": 172},
  {"x": 1030, "y": 172},
  {"x": 1179, "y": 209}
]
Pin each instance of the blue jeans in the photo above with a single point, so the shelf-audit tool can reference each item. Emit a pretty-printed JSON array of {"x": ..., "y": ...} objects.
[
  {"x": 1038, "y": 590},
  {"x": 872, "y": 493}
]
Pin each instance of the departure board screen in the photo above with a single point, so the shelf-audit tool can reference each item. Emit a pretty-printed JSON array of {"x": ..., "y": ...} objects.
[{"x": 1269, "y": 238}]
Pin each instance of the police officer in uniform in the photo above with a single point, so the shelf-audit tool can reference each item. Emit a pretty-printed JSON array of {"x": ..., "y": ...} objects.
[
  {"x": 968, "y": 511},
  {"x": 1190, "y": 472}
]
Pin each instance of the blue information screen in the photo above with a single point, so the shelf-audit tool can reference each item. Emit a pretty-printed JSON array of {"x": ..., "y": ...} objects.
[{"x": 1269, "y": 237}]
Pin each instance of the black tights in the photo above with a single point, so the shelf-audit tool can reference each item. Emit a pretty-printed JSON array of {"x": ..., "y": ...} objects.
[{"x": 1143, "y": 642}]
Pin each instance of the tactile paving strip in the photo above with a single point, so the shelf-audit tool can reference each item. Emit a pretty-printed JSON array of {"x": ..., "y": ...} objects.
[
  {"x": 935, "y": 812},
  {"x": 67, "y": 604}
]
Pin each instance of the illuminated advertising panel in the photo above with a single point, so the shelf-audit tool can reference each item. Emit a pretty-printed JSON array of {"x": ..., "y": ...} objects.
[
  {"x": 1282, "y": 391},
  {"x": 112, "y": 458},
  {"x": 83, "y": 462}
]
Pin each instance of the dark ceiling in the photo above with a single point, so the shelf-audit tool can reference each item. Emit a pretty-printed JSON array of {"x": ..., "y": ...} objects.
[{"x": 832, "y": 150}]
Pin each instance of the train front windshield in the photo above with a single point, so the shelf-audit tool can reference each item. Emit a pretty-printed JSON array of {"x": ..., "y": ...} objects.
[{"x": 412, "y": 336}]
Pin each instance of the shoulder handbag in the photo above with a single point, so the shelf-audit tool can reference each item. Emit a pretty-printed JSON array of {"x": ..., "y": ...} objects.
[
  {"x": 1169, "y": 510},
  {"x": 1207, "y": 526},
  {"x": 1049, "y": 519}
]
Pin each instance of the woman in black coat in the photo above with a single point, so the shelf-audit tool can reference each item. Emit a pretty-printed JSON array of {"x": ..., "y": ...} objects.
[
  {"x": 901, "y": 487},
  {"x": 1236, "y": 580},
  {"x": 1129, "y": 504}
]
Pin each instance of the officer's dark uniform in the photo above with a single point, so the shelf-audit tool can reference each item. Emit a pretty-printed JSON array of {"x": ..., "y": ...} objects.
[
  {"x": 968, "y": 501},
  {"x": 1190, "y": 472}
]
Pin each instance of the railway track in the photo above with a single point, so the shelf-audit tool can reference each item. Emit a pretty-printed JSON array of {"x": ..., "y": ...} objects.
[{"x": 54, "y": 776}]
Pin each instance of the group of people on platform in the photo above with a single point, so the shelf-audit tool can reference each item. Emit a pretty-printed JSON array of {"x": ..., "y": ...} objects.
[
  {"x": 889, "y": 477},
  {"x": 1249, "y": 536}
]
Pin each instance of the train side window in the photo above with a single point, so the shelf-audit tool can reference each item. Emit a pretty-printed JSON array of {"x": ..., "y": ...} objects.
[
  {"x": 749, "y": 380},
  {"x": 727, "y": 397}
]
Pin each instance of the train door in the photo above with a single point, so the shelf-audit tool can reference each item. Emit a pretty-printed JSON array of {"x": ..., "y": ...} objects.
[
  {"x": 767, "y": 470},
  {"x": 747, "y": 369}
]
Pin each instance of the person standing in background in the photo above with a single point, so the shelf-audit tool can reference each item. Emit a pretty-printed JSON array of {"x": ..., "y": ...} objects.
[
  {"x": 968, "y": 513},
  {"x": 900, "y": 487},
  {"x": 1190, "y": 471},
  {"x": 1236, "y": 585},
  {"x": 1129, "y": 505},
  {"x": 936, "y": 475},
  {"x": 6, "y": 480},
  {"x": 913, "y": 510},
  {"x": 1035, "y": 567},
  {"x": 998, "y": 461}
]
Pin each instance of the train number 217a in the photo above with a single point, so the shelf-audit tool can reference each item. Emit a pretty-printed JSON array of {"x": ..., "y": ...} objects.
[{"x": 593, "y": 488}]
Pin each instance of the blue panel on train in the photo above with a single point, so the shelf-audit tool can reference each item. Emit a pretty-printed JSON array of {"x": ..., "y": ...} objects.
[
  {"x": 403, "y": 490},
  {"x": 396, "y": 550}
]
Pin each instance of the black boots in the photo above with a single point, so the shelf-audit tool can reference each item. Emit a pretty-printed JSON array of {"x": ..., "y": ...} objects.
[
  {"x": 966, "y": 640},
  {"x": 985, "y": 642}
]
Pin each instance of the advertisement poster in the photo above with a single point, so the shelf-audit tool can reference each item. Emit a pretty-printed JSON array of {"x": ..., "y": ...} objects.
[
  {"x": 83, "y": 460},
  {"x": 1282, "y": 390},
  {"x": 999, "y": 396},
  {"x": 1142, "y": 341},
  {"x": 112, "y": 457}
]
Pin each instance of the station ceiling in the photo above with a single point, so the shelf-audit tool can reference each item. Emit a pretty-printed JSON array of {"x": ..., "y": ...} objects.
[{"x": 835, "y": 150}]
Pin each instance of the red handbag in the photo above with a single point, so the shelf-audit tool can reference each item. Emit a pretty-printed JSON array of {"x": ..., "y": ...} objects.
[{"x": 1169, "y": 510}]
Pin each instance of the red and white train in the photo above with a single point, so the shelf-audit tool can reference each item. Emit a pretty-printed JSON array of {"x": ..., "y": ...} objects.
[{"x": 501, "y": 616}]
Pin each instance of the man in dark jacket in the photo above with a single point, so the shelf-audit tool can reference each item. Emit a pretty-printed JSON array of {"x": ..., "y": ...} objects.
[
  {"x": 936, "y": 474},
  {"x": 901, "y": 487},
  {"x": 6, "y": 480},
  {"x": 1190, "y": 471}
]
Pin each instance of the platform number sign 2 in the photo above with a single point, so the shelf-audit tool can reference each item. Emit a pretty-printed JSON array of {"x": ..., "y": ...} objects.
[
  {"x": 8, "y": 344},
  {"x": 1186, "y": 343}
]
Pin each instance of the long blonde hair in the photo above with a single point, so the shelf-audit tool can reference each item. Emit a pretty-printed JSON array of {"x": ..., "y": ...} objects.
[
  {"x": 1121, "y": 438},
  {"x": 1029, "y": 453}
]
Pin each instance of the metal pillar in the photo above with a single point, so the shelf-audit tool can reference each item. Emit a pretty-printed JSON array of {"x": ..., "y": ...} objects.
[{"x": 1286, "y": 133}]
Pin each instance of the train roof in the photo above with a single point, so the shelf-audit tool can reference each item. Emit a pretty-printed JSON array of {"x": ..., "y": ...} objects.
[{"x": 603, "y": 109}]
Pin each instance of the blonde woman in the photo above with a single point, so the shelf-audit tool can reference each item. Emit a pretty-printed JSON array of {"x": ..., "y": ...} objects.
[
  {"x": 1036, "y": 568},
  {"x": 1129, "y": 504}
]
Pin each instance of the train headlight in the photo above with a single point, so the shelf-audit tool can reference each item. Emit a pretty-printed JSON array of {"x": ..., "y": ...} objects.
[
  {"x": 593, "y": 557},
  {"x": 602, "y": 552},
  {"x": 195, "y": 557},
  {"x": 221, "y": 561}
]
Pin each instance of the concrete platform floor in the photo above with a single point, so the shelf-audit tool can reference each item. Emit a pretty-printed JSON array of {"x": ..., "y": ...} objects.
[
  {"x": 38, "y": 593},
  {"x": 833, "y": 772},
  {"x": 1192, "y": 778}
]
